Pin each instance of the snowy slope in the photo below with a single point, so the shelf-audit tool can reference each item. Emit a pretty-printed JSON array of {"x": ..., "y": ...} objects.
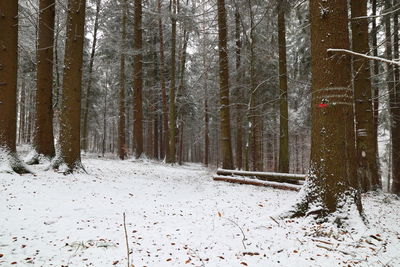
[{"x": 175, "y": 216}]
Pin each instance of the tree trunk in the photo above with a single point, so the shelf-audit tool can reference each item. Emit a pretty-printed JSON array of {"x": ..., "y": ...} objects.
[
  {"x": 171, "y": 156},
  {"x": 69, "y": 152},
  {"x": 165, "y": 142},
  {"x": 374, "y": 34},
  {"x": 284, "y": 113},
  {"x": 331, "y": 184},
  {"x": 138, "y": 81},
  {"x": 122, "y": 151},
  {"x": 367, "y": 170},
  {"x": 396, "y": 112},
  {"x": 225, "y": 138},
  {"x": 86, "y": 111},
  {"x": 239, "y": 109},
  {"x": 43, "y": 137},
  {"x": 8, "y": 84}
]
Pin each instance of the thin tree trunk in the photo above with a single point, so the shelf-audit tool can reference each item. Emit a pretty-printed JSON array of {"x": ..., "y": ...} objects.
[
  {"x": 239, "y": 110},
  {"x": 396, "y": 112},
  {"x": 72, "y": 84},
  {"x": 171, "y": 156},
  {"x": 121, "y": 125},
  {"x": 284, "y": 113},
  {"x": 86, "y": 111},
  {"x": 367, "y": 170},
  {"x": 165, "y": 142},
  {"x": 138, "y": 81},
  {"x": 374, "y": 34},
  {"x": 225, "y": 138},
  {"x": 22, "y": 113},
  {"x": 43, "y": 136}
]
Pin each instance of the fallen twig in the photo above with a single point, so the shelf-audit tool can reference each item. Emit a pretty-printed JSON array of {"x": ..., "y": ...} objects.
[{"x": 126, "y": 240}]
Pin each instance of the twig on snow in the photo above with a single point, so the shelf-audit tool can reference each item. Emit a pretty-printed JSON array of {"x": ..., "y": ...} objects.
[{"x": 126, "y": 240}]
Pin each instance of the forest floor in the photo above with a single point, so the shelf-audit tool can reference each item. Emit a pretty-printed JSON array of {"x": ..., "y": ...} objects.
[{"x": 175, "y": 216}]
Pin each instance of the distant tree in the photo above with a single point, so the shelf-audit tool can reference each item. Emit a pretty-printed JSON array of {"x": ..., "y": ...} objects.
[
  {"x": 225, "y": 134},
  {"x": 8, "y": 84},
  {"x": 121, "y": 126},
  {"x": 331, "y": 184},
  {"x": 138, "y": 80},
  {"x": 69, "y": 141},
  {"x": 171, "y": 157},
  {"x": 88, "y": 95}
]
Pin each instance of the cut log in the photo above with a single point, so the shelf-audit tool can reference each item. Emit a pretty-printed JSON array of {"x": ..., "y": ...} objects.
[
  {"x": 266, "y": 176},
  {"x": 256, "y": 182}
]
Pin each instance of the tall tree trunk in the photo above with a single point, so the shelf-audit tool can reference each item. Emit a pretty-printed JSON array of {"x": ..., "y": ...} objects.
[
  {"x": 283, "y": 93},
  {"x": 43, "y": 137},
  {"x": 122, "y": 151},
  {"x": 8, "y": 84},
  {"x": 396, "y": 114},
  {"x": 69, "y": 152},
  {"x": 390, "y": 80},
  {"x": 165, "y": 142},
  {"x": 171, "y": 156},
  {"x": 374, "y": 34},
  {"x": 225, "y": 125},
  {"x": 138, "y": 81},
  {"x": 86, "y": 111},
  {"x": 367, "y": 170},
  {"x": 240, "y": 95},
  {"x": 331, "y": 184}
]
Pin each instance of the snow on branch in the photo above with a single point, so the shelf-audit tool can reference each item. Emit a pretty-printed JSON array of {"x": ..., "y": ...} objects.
[{"x": 393, "y": 62}]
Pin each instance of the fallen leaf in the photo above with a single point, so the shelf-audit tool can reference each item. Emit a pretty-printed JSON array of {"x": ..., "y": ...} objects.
[
  {"x": 243, "y": 263},
  {"x": 115, "y": 262},
  {"x": 188, "y": 261},
  {"x": 1, "y": 255},
  {"x": 219, "y": 214},
  {"x": 169, "y": 259}
]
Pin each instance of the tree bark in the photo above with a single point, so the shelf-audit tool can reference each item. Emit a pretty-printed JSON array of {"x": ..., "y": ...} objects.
[
  {"x": 225, "y": 138},
  {"x": 165, "y": 143},
  {"x": 367, "y": 170},
  {"x": 171, "y": 156},
  {"x": 374, "y": 35},
  {"x": 69, "y": 152},
  {"x": 43, "y": 136},
  {"x": 86, "y": 111},
  {"x": 8, "y": 84},
  {"x": 239, "y": 109},
  {"x": 138, "y": 80},
  {"x": 396, "y": 112},
  {"x": 122, "y": 151},
  {"x": 331, "y": 183},
  {"x": 283, "y": 93}
]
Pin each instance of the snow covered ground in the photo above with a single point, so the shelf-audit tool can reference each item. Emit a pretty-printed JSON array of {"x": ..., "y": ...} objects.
[{"x": 175, "y": 216}]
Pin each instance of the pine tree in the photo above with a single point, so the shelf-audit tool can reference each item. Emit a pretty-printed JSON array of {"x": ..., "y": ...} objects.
[
  {"x": 138, "y": 80},
  {"x": 225, "y": 135},
  {"x": 43, "y": 136},
  {"x": 331, "y": 184},
  {"x": 366, "y": 142},
  {"x": 69, "y": 151},
  {"x": 8, "y": 84},
  {"x": 284, "y": 113},
  {"x": 121, "y": 126}
]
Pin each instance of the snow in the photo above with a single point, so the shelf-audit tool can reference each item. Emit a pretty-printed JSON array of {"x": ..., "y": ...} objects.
[{"x": 176, "y": 216}]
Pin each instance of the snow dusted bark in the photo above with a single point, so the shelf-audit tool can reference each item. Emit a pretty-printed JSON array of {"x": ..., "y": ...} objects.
[
  {"x": 8, "y": 85},
  {"x": 69, "y": 146},
  {"x": 225, "y": 137},
  {"x": 367, "y": 170},
  {"x": 43, "y": 136},
  {"x": 284, "y": 113},
  {"x": 331, "y": 184},
  {"x": 138, "y": 81}
]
